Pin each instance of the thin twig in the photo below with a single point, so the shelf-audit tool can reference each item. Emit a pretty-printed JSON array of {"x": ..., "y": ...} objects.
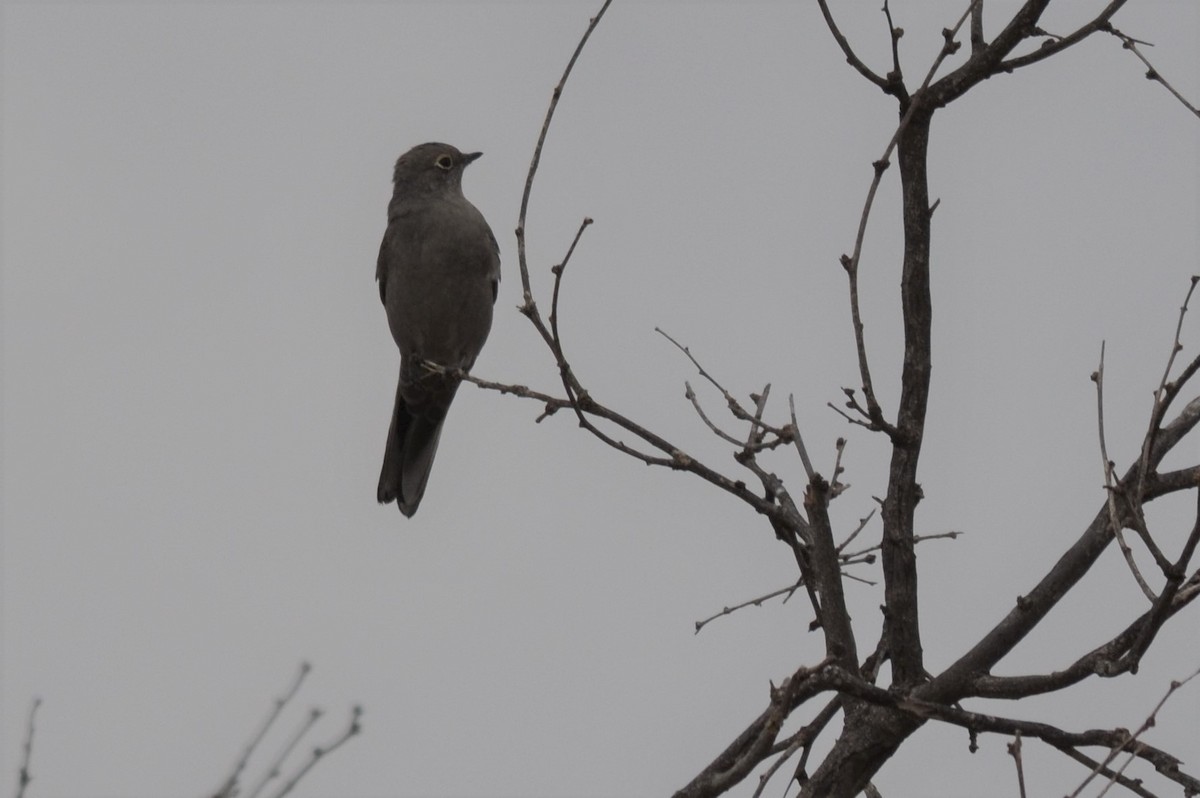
[
  {"x": 276, "y": 768},
  {"x": 852, "y": 59},
  {"x": 755, "y": 438},
  {"x": 847, "y": 416},
  {"x": 1131, "y": 744},
  {"x": 24, "y": 776},
  {"x": 1163, "y": 604},
  {"x": 529, "y": 308},
  {"x": 800, "y": 741},
  {"x": 1164, "y": 394},
  {"x": 578, "y": 399},
  {"x": 1014, "y": 750},
  {"x": 786, "y": 592},
  {"x": 862, "y": 523},
  {"x": 228, "y": 789},
  {"x": 801, "y": 449},
  {"x": 855, "y": 577},
  {"x": 836, "y": 486},
  {"x": 894, "y": 33},
  {"x": 1134, "y": 786},
  {"x": 1166, "y": 391},
  {"x": 916, "y": 539},
  {"x": 812, "y": 730},
  {"x": 557, "y": 271},
  {"x": 1130, "y": 44},
  {"x": 1110, "y": 485},
  {"x": 736, "y": 408},
  {"x": 690, "y": 395},
  {"x": 321, "y": 752}
]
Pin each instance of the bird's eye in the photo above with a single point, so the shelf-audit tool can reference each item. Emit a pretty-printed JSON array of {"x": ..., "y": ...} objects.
[{"x": 444, "y": 162}]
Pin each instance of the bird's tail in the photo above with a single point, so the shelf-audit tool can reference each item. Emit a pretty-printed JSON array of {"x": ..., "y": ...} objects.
[{"x": 411, "y": 444}]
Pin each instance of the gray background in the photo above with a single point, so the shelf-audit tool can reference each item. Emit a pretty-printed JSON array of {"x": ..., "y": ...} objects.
[{"x": 198, "y": 379}]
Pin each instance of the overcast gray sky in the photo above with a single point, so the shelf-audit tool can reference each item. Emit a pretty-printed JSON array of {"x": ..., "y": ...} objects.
[{"x": 198, "y": 377}]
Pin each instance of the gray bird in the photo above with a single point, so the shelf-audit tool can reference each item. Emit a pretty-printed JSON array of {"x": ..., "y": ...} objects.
[{"x": 438, "y": 273}]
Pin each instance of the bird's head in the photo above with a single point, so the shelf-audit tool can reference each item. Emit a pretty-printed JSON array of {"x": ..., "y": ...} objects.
[{"x": 431, "y": 168}]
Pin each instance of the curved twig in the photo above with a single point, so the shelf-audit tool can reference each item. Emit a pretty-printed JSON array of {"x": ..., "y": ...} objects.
[{"x": 851, "y": 58}]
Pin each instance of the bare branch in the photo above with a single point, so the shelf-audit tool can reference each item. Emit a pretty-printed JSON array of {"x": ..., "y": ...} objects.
[
  {"x": 676, "y": 459},
  {"x": 786, "y": 592},
  {"x": 1173, "y": 432},
  {"x": 812, "y": 731},
  {"x": 578, "y": 399},
  {"x": 850, "y": 263},
  {"x": 755, "y": 743},
  {"x": 1161, "y": 610},
  {"x": 1130, "y": 44},
  {"x": 690, "y": 395},
  {"x": 529, "y": 308},
  {"x": 735, "y": 407},
  {"x": 1079, "y": 558},
  {"x": 1100, "y": 661},
  {"x": 1119, "y": 739},
  {"x": 1060, "y": 43},
  {"x": 1167, "y": 390},
  {"x": 1116, "y": 739},
  {"x": 800, "y": 741},
  {"x": 1161, "y": 484}
]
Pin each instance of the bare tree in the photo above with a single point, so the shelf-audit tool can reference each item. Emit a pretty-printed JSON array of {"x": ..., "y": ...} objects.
[
  {"x": 278, "y": 778},
  {"x": 877, "y": 719}
]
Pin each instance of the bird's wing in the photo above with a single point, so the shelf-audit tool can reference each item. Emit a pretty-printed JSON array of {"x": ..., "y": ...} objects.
[
  {"x": 495, "y": 275},
  {"x": 381, "y": 267}
]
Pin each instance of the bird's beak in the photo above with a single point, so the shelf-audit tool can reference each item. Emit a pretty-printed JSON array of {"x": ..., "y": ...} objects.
[{"x": 470, "y": 156}]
